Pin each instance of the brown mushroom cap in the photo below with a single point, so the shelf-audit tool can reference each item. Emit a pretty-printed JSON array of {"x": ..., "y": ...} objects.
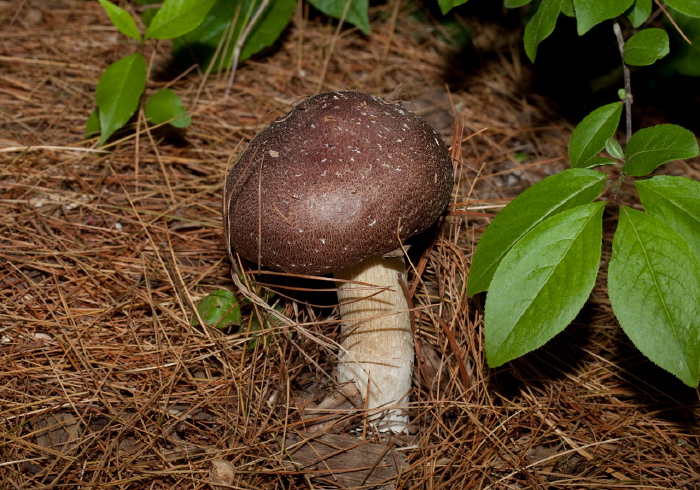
[{"x": 337, "y": 179}]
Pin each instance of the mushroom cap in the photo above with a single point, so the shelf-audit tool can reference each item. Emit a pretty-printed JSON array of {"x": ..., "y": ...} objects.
[{"x": 341, "y": 177}]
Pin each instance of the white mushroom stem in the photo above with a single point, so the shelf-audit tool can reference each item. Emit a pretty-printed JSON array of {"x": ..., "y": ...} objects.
[{"x": 376, "y": 339}]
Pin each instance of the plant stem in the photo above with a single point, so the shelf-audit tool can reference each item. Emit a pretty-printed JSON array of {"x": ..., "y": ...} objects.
[
  {"x": 618, "y": 185},
  {"x": 628, "y": 82}
]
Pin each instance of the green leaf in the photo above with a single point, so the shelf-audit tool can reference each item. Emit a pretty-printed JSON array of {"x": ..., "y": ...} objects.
[
  {"x": 654, "y": 290},
  {"x": 592, "y": 12},
  {"x": 589, "y": 137},
  {"x": 689, "y": 25},
  {"x": 614, "y": 148},
  {"x": 357, "y": 14},
  {"x": 92, "y": 126},
  {"x": 687, "y": 7},
  {"x": 202, "y": 43},
  {"x": 645, "y": 47},
  {"x": 447, "y": 5},
  {"x": 148, "y": 15},
  {"x": 219, "y": 309},
  {"x": 270, "y": 27},
  {"x": 686, "y": 56},
  {"x": 118, "y": 92},
  {"x": 542, "y": 283},
  {"x": 512, "y": 4},
  {"x": 598, "y": 161},
  {"x": 640, "y": 12},
  {"x": 676, "y": 201},
  {"x": 121, "y": 19},
  {"x": 688, "y": 62},
  {"x": 567, "y": 8},
  {"x": 547, "y": 198},
  {"x": 650, "y": 147},
  {"x": 178, "y": 17},
  {"x": 541, "y": 25},
  {"x": 166, "y": 106}
]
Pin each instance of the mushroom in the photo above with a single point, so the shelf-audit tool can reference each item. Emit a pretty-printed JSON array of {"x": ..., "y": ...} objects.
[{"x": 331, "y": 187}]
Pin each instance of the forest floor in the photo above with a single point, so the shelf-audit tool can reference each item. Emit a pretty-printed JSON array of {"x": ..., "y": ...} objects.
[{"x": 105, "y": 252}]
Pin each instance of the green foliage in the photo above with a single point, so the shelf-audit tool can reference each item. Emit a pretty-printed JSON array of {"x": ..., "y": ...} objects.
[
  {"x": 640, "y": 11},
  {"x": 641, "y": 49},
  {"x": 224, "y": 310},
  {"x": 567, "y": 8},
  {"x": 122, "y": 20},
  {"x": 590, "y": 135},
  {"x": 541, "y": 25},
  {"x": 687, "y": 7},
  {"x": 539, "y": 257},
  {"x": 687, "y": 57},
  {"x": 165, "y": 106},
  {"x": 220, "y": 309},
  {"x": 511, "y": 4},
  {"x": 544, "y": 268},
  {"x": 554, "y": 195},
  {"x": 122, "y": 84},
  {"x": 92, "y": 126},
  {"x": 177, "y": 17},
  {"x": 447, "y": 5},
  {"x": 198, "y": 28},
  {"x": 614, "y": 149},
  {"x": 590, "y": 13},
  {"x": 118, "y": 93},
  {"x": 676, "y": 201},
  {"x": 646, "y": 47},
  {"x": 215, "y": 30},
  {"x": 650, "y": 147},
  {"x": 544, "y": 280},
  {"x": 357, "y": 11},
  {"x": 270, "y": 27},
  {"x": 654, "y": 289}
]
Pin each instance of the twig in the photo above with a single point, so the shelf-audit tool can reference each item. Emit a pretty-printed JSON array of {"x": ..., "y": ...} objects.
[
  {"x": 673, "y": 21},
  {"x": 25, "y": 149},
  {"x": 628, "y": 82},
  {"x": 239, "y": 44}
]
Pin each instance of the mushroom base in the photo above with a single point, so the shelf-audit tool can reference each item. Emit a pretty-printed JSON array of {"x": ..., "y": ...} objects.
[{"x": 376, "y": 347}]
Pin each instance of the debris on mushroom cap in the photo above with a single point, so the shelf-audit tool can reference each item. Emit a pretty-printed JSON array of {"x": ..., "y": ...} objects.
[{"x": 334, "y": 181}]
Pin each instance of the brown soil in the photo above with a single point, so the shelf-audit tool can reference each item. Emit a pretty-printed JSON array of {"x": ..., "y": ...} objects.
[{"x": 105, "y": 253}]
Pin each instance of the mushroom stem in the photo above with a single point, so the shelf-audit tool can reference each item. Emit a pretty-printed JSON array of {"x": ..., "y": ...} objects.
[{"x": 376, "y": 339}]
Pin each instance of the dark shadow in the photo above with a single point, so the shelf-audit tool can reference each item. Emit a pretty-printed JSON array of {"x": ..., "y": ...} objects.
[
  {"x": 464, "y": 22},
  {"x": 551, "y": 363},
  {"x": 170, "y": 136},
  {"x": 658, "y": 392},
  {"x": 318, "y": 293},
  {"x": 579, "y": 73}
]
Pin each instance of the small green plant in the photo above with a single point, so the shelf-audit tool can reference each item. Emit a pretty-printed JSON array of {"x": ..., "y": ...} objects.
[
  {"x": 539, "y": 258},
  {"x": 220, "y": 309},
  {"x": 226, "y": 311},
  {"x": 122, "y": 84},
  {"x": 218, "y": 33}
]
